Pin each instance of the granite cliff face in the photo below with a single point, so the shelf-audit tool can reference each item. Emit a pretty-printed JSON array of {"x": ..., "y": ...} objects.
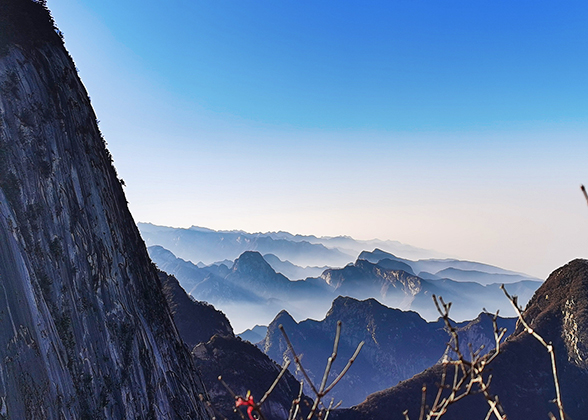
[{"x": 85, "y": 331}]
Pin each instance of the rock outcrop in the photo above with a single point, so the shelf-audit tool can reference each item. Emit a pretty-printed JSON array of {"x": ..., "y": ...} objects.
[{"x": 85, "y": 330}]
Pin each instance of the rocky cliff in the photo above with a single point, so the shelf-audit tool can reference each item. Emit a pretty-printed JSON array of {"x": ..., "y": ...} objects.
[{"x": 85, "y": 331}]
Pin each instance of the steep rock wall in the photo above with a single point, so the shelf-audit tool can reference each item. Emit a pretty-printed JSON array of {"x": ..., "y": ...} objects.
[{"x": 85, "y": 331}]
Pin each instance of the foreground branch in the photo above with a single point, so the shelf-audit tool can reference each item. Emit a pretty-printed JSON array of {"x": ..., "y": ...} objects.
[
  {"x": 468, "y": 376},
  {"x": 548, "y": 346},
  {"x": 323, "y": 388}
]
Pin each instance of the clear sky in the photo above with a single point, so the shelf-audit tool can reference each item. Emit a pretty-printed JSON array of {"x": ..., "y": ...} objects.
[{"x": 459, "y": 126}]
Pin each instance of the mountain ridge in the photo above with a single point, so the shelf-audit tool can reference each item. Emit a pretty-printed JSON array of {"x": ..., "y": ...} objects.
[
  {"x": 263, "y": 292},
  {"x": 398, "y": 344}
]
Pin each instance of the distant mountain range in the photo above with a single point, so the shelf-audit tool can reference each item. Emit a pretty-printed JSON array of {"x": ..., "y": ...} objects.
[
  {"x": 251, "y": 292},
  {"x": 208, "y": 246},
  {"x": 255, "y": 334},
  {"x": 453, "y": 269},
  {"x": 397, "y": 346},
  {"x": 198, "y": 244},
  {"x": 387, "y": 278},
  {"x": 292, "y": 271}
]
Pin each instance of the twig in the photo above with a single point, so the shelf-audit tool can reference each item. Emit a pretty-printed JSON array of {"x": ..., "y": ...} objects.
[
  {"x": 273, "y": 385},
  {"x": 585, "y": 193},
  {"x": 345, "y": 369},
  {"x": 296, "y": 404},
  {"x": 548, "y": 346},
  {"x": 297, "y": 359},
  {"x": 468, "y": 374},
  {"x": 322, "y": 391},
  {"x": 331, "y": 359},
  {"x": 330, "y": 407}
]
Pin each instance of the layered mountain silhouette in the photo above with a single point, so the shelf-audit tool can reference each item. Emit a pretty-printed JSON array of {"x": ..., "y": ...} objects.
[
  {"x": 453, "y": 269},
  {"x": 293, "y": 271},
  {"x": 85, "y": 330},
  {"x": 252, "y": 291},
  {"x": 521, "y": 373},
  {"x": 207, "y": 246},
  {"x": 400, "y": 289},
  {"x": 397, "y": 346},
  {"x": 255, "y": 334}
]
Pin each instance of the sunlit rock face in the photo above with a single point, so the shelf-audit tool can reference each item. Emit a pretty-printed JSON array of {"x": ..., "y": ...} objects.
[{"x": 85, "y": 332}]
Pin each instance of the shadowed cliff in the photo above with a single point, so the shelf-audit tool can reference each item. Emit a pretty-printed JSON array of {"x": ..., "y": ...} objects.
[
  {"x": 85, "y": 331},
  {"x": 216, "y": 351}
]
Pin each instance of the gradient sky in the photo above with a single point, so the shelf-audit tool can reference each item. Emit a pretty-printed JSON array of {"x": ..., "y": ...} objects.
[{"x": 459, "y": 126}]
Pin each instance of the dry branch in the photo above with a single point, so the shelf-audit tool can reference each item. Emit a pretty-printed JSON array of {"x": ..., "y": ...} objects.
[
  {"x": 468, "y": 375},
  {"x": 548, "y": 346},
  {"x": 322, "y": 391}
]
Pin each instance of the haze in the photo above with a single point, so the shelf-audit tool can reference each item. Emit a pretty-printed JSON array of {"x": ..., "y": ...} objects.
[{"x": 455, "y": 126}]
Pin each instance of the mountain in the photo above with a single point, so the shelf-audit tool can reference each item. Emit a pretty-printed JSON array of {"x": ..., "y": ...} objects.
[
  {"x": 192, "y": 274},
  {"x": 292, "y": 271},
  {"x": 397, "y": 346},
  {"x": 453, "y": 269},
  {"x": 85, "y": 330},
  {"x": 216, "y": 351},
  {"x": 354, "y": 246},
  {"x": 208, "y": 246},
  {"x": 255, "y": 334},
  {"x": 400, "y": 289},
  {"x": 197, "y": 322},
  {"x": 480, "y": 276},
  {"x": 521, "y": 373},
  {"x": 251, "y": 292}
]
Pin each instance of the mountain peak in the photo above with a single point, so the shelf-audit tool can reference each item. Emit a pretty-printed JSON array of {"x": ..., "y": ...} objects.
[
  {"x": 559, "y": 308},
  {"x": 343, "y": 305},
  {"x": 283, "y": 317},
  {"x": 252, "y": 262}
]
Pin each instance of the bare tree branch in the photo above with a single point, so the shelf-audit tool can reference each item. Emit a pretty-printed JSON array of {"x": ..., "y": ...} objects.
[
  {"x": 468, "y": 378},
  {"x": 322, "y": 391},
  {"x": 548, "y": 346}
]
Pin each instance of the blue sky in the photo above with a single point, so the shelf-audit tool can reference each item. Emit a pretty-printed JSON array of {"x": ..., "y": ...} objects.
[{"x": 458, "y": 126}]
